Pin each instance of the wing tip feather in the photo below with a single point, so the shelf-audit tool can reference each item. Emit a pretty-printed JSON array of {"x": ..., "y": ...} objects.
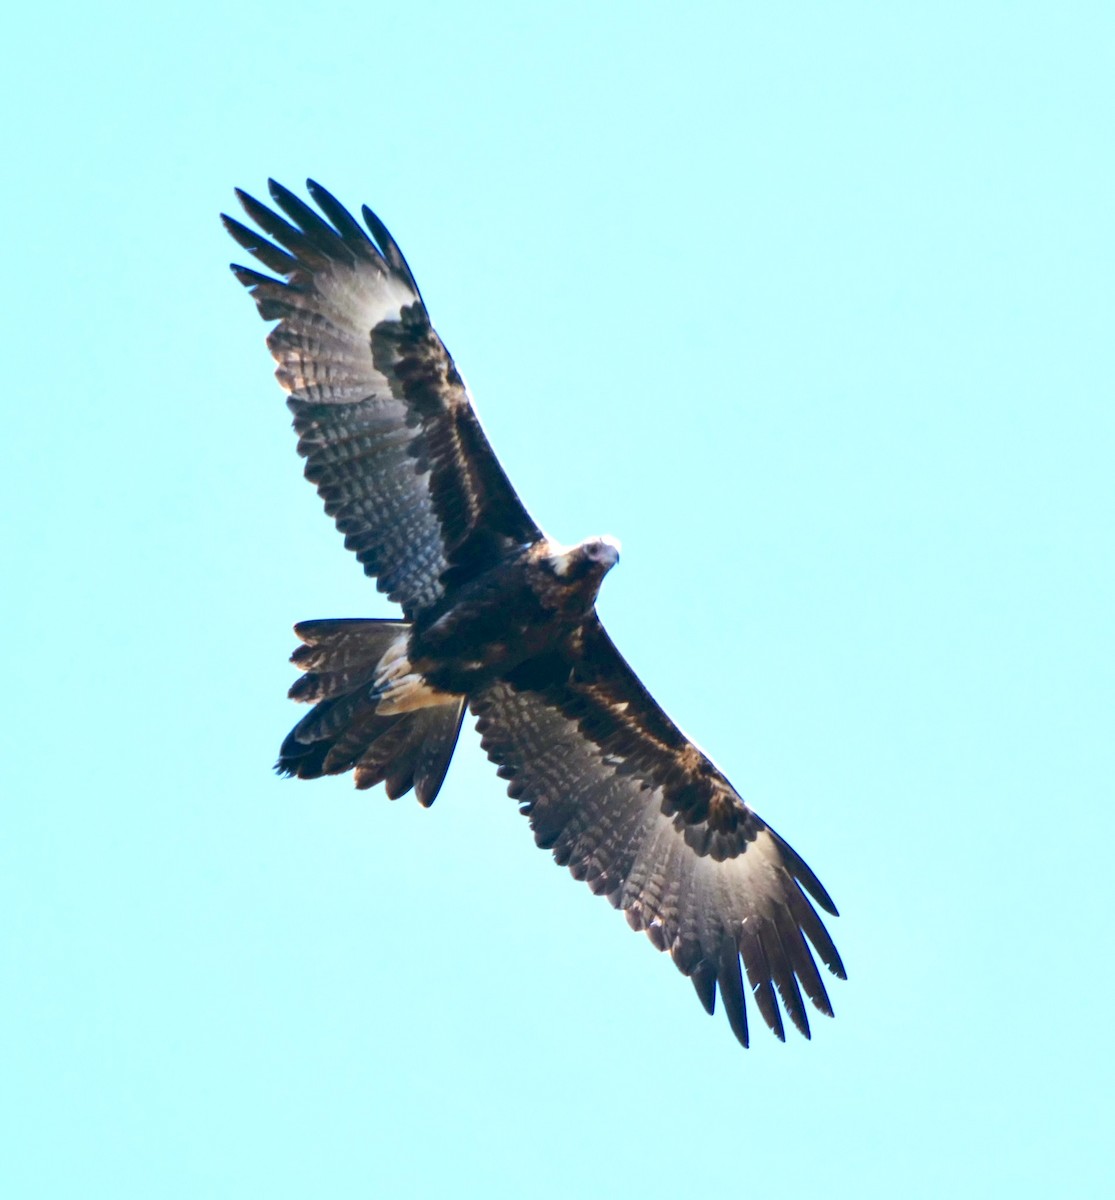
[{"x": 804, "y": 874}]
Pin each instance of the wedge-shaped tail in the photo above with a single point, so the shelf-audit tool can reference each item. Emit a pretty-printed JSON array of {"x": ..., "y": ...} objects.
[{"x": 345, "y": 732}]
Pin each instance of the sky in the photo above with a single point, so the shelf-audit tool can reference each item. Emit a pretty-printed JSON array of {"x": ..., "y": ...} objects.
[{"x": 811, "y": 305}]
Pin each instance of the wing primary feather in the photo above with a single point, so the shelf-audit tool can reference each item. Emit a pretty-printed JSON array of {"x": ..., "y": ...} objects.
[
  {"x": 270, "y": 222},
  {"x": 271, "y": 296},
  {"x": 270, "y": 255},
  {"x": 801, "y": 871},
  {"x": 389, "y": 247},
  {"x": 251, "y": 278},
  {"x": 814, "y": 929},
  {"x": 785, "y": 980},
  {"x": 731, "y": 990},
  {"x": 754, "y": 954},
  {"x": 348, "y": 226},
  {"x": 292, "y": 239},
  {"x": 793, "y": 942},
  {"x": 703, "y": 977},
  {"x": 320, "y": 232}
]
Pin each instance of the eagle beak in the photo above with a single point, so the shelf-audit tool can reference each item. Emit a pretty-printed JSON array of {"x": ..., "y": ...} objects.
[{"x": 609, "y": 551}]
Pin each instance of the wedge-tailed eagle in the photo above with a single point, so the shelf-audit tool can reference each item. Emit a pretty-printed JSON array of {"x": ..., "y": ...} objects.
[{"x": 500, "y": 619}]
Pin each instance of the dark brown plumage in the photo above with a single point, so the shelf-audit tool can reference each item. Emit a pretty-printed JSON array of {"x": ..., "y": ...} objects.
[{"x": 501, "y": 618}]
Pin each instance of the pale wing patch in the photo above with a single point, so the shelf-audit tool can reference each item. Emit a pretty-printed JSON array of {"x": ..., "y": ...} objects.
[{"x": 326, "y": 357}]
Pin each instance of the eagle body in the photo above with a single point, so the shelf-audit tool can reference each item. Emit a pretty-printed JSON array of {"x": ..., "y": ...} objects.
[
  {"x": 500, "y": 620},
  {"x": 525, "y": 606}
]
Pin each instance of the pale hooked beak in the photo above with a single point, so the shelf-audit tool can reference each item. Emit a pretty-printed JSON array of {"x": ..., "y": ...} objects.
[{"x": 609, "y": 548}]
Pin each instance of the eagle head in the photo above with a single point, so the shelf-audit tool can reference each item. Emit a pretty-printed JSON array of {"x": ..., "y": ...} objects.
[
  {"x": 603, "y": 550},
  {"x": 594, "y": 556}
]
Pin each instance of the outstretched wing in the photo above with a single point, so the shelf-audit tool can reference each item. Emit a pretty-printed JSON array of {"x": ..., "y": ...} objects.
[
  {"x": 383, "y": 418},
  {"x": 635, "y": 809}
]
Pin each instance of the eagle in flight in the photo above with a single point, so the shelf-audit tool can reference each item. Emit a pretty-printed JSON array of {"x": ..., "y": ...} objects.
[{"x": 500, "y": 619}]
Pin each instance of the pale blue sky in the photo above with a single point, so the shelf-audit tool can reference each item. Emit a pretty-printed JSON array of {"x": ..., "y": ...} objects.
[{"x": 812, "y": 306}]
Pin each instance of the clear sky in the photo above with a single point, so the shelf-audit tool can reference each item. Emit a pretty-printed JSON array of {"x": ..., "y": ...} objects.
[{"x": 812, "y": 306}]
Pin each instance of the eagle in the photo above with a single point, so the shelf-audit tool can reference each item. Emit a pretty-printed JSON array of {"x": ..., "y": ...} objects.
[{"x": 499, "y": 620}]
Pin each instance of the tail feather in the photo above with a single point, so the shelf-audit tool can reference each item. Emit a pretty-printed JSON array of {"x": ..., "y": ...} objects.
[
  {"x": 339, "y": 656},
  {"x": 344, "y": 731},
  {"x": 414, "y": 753},
  {"x": 329, "y": 719}
]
